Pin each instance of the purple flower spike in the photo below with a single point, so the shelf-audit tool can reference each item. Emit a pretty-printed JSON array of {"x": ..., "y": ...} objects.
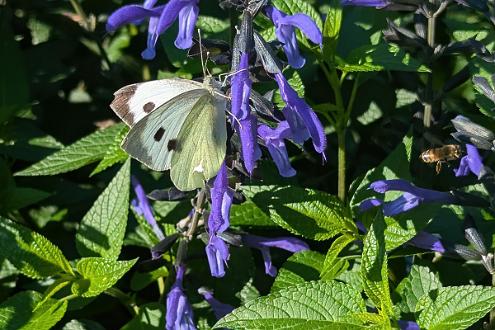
[
  {"x": 412, "y": 197},
  {"x": 263, "y": 244},
  {"x": 470, "y": 163},
  {"x": 219, "y": 309},
  {"x": 218, "y": 221},
  {"x": 274, "y": 141},
  {"x": 160, "y": 19},
  {"x": 408, "y": 325},
  {"x": 142, "y": 207},
  {"x": 179, "y": 312},
  {"x": 244, "y": 122},
  {"x": 285, "y": 31},
  {"x": 427, "y": 241},
  {"x": 302, "y": 110}
]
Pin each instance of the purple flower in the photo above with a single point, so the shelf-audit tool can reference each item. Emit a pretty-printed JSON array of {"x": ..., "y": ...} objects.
[
  {"x": 411, "y": 198},
  {"x": 219, "y": 309},
  {"x": 302, "y": 111},
  {"x": 470, "y": 163},
  {"x": 179, "y": 312},
  {"x": 142, "y": 207},
  {"x": 274, "y": 141},
  {"x": 244, "y": 122},
  {"x": 218, "y": 221},
  {"x": 285, "y": 31},
  {"x": 263, "y": 244},
  {"x": 160, "y": 19},
  {"x": 427, "y": 241},
  {"x": 408, "y": 325}
]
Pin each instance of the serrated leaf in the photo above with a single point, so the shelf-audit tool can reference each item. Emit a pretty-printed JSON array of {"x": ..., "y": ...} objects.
[
  {"x": 151, "y": 316},
  {"x": 316, "y": 305},
  {"x": 418, "y": 283},
  {"x": 31, "y": 253},
  {"x": 21, "y": 197},
  {"x": 82, "y": 325},
  {"x": 114, "y": 153},
  {"x": 83, "y": 152},
  {"x": 380, "y": 57},
  {"x": 102, "y": 229},
  {"x": 16, "y": 313},
  {"x": 457, "y": 307},
  {"x": 306, "y": 212},
  {"x": 374, "y": 269},
  {"x": 99, "y": 274},
  {"x": 301, "y": 267},
  {"x": 248, "y": 214},
  {"x": 209, "y": 24},
  {"x": 332, "y": 265}
]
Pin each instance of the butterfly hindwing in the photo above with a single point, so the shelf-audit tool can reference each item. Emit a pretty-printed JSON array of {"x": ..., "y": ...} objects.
[
  {"x": 133, "y": 102},
  {"x": 201, "y": 144},
  {"x": 154, "y": 139}
]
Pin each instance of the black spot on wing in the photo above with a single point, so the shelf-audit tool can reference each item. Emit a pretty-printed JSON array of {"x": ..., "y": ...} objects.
[
  {"x": 148, "y": 107},
  {"x": 159, "y": 134},
  {"x": 172, "y": 145}
]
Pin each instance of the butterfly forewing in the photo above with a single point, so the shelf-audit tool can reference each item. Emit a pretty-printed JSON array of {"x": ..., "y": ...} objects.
[
  {"x": 201, "y": 144},
  {"x": 133, "y": 102},
  {"x": 154, "y": 139}
]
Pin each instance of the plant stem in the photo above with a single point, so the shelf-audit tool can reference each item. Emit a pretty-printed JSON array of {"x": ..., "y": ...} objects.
[
  {"x": 197, "y": 213},
  {"x": 341, "y": 191},
  {"x": 429, "y": 84},
  {"x": 125, "y": 299}
]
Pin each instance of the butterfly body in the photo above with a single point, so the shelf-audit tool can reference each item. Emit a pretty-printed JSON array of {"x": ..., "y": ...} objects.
[{"x": 176, "y": 124}]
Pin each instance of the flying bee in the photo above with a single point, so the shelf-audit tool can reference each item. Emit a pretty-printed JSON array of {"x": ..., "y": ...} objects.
[{"x": 441, "y": 155}]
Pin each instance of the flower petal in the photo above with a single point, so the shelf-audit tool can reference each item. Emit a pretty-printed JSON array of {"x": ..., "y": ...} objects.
[
  {"x": 427, "y": 241},
  {"x": 267, "y": 260},
  {"x": 219, "y": 309},
  {"x": 402, "y": 204},
  {"x": 290, "y": 244},
  {"x": 369, "y": 204},
  {"x": 250, "y": 150},
  {"x": 144, "y": 208},
  {"x": 306, "y": 24},
  {"x": 187, "y": 21},
  {"x": 299, "y": 131},
  {"x": 217, "y": 253},
  {"x": 129, "y": 14}
]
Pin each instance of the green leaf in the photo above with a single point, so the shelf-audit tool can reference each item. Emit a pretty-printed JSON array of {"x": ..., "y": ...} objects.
[
  {"x": 331, "y": 30},
  {"x": 209, "y": 24},
  {"x": 114, "y": 153},
  {"x": 317, "y": 305},
  {"x": 151, "y": 316},
  {"x": 374, "y": 267},
  {"x": 306, "y": 212},
  {"x": 102, "y": 229},
  {"x": 99, "y": 274},
  {"x": 31, "y": 253},
  {"x": 417, "y": 284},
  {"x": 83, "y": 152},
  {"x": 301, "y": 267},
  {"x": 332, "y": 265},
  {"x": 14, "y": 83},
  {"x": 21, "y": 197},
  {"x": 82, "y": 325},
  {"x": 380, "y": 57},
  {"x": 248, "y": 214},
  {"x": 457, "y": 307},
  {"x": 16, "y": 313}
]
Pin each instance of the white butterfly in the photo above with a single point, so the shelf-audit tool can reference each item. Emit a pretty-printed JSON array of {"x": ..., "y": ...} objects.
[{"x": 176, "y": 124}]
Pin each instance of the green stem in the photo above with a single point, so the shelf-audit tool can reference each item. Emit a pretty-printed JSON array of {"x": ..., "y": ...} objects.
[
  {"x": 428, "y": 107},
  {"x": 197, "y": 213},
  {"x": 125, "y": 299},
  {"x": 341, "y": 164}
]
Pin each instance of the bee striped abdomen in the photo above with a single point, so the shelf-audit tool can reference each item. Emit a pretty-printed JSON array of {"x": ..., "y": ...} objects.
[{"x": 445, "y": 153}]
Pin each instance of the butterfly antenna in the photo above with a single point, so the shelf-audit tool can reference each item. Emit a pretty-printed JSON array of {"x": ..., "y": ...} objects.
[
  {"x": 230, "y": 74},
  {"x": 201, "y": 53}
]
